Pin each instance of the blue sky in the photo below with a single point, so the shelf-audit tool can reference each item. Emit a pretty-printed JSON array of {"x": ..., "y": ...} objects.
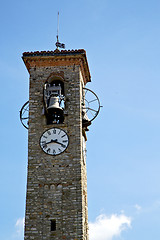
[{"x": 122, "y": 40}]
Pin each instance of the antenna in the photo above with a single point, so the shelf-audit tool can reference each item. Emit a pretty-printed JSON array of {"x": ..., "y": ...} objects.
[
  {"x": 58, "y": 27},
  {"x": 58, "y": 44}
]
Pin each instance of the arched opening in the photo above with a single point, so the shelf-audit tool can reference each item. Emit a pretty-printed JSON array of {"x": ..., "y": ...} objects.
[{"x": 54, "y": 100}]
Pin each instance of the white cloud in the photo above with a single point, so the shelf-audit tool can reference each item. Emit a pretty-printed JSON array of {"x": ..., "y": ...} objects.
[
  {"x": 19, "y": 227},
  {"x": 107, "y": 227}
]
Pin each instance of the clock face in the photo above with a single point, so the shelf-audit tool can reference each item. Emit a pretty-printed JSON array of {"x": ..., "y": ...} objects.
[{"x": 54, "y": 141}]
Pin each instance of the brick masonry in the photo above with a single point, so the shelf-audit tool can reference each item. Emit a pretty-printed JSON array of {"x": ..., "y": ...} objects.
[{"x": 56, "y": 185}]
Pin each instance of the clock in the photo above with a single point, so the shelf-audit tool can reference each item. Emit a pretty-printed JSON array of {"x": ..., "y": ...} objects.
[{"x": 54, "y": 141}]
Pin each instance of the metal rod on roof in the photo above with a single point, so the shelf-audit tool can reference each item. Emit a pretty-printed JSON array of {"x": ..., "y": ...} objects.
[
  {"x": 58, "y": 44},
  {"x": 58, "y": 27}
]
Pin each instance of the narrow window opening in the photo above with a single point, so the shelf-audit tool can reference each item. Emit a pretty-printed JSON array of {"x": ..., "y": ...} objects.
[
  {"x": 53, "y": 225},
  {"x": 54, "y": 101}
]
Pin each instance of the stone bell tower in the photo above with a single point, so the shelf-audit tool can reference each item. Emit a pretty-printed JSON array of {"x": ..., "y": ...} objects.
[{"x": 56, "y": 200}]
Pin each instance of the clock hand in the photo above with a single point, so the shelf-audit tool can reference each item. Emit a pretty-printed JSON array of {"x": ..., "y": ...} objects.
[
  {"x": 60, "y": 144},
  {"x": 52, "y": 141},
  {"x": 55, "y": 141}
]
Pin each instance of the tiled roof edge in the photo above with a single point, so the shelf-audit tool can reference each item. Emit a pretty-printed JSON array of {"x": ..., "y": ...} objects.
[{"x": 54, "y": 53}]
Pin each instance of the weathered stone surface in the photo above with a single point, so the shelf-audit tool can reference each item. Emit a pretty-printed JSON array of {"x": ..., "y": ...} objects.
[{"x": 56, "y": 185}]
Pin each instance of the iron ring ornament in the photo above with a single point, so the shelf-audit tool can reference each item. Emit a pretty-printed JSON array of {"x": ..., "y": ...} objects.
[
  {"x": 91, "y": 104},
  {"x": 24, "y": 115}
]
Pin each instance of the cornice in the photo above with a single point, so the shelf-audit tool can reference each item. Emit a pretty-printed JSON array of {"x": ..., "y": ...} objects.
[{"x": 58, "y": 58}]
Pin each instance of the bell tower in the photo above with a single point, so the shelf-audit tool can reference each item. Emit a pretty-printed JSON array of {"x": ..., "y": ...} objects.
[{"x": 56, "y": 199}]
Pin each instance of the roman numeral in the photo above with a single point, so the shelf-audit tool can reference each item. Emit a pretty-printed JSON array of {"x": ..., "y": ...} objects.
[
  {"x": 54, "y": 131},
  {"x": 54, "y": 152},
  {"x": 59, "y": 132},
  {"x": 48, "y": 150},
  {"x": 44, "y": 146}
]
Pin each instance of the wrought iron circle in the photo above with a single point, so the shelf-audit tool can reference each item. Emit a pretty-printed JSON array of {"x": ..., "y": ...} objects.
[
  {"x": 24, "y": 114},
  {"x": 91, "y": 104}
]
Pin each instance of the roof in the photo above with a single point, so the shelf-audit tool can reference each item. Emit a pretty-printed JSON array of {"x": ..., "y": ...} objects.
[
  {"x": 54, "y": 53},
  {"x": 57, "y": 57}
]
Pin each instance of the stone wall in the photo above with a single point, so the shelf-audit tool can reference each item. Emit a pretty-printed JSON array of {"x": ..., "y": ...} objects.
[{"x": 56, "y": 185}]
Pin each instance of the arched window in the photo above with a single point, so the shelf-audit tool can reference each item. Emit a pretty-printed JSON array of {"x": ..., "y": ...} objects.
[{"x": 54, "y": 100}]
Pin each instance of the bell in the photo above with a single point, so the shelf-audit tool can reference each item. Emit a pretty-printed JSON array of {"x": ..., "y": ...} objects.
[
  {"x": 55, "y": 112},
  {"x": 54, "y": 104}
]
